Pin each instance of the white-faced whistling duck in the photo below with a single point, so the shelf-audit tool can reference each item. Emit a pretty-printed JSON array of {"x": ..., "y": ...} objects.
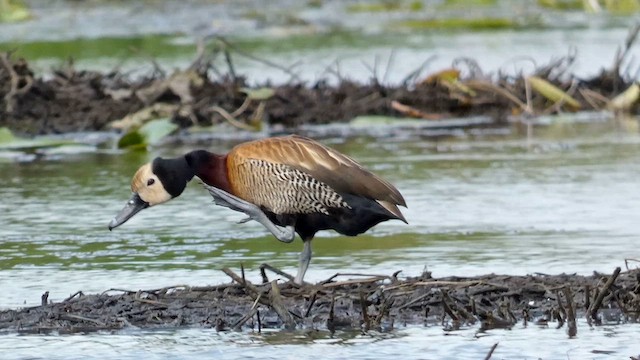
[{"x": 288, "y": 184}]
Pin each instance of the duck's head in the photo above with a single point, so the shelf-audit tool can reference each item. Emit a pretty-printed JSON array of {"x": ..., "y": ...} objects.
[{"x": 154, "y": 183}]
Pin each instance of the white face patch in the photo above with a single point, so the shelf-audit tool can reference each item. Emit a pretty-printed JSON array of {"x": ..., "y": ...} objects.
[{"x": 147, "y": 185}]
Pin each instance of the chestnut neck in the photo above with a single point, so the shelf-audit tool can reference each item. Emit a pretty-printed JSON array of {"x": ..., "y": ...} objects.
[{"x": 210, "y": 168}]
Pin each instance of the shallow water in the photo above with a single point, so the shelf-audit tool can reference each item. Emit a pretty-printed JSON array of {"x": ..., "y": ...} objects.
[
  {"x": 325, "y": 42},
  {"x": 411, "y": 342},
  {"x": 563, "y": 201}
]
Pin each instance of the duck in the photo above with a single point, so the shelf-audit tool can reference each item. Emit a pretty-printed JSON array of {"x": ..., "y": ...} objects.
[{"x": 289, "y": 184}]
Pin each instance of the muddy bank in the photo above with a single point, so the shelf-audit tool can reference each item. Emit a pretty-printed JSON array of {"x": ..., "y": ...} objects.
[
  {"x": 72, "y": 100},
  {"x": 350, "y": 301}
]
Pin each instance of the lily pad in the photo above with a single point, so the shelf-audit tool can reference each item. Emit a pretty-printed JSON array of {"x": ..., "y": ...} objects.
[
  {"x": 151, "y": 133},
  {"x": 8, "y": 141}
]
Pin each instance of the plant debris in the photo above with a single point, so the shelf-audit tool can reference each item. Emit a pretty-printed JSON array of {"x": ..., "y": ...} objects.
[
  {"x": 362, "y": 302},
  {"x": 74, "y": 100}
]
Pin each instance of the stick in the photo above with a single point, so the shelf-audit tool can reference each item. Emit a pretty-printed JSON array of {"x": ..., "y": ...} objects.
[
  {"x": 78, "y": 293},
  {"x": 593, "y": 310},
  {"x": 493, "y": 348},
  {"x": 275, "y": 270},
  {"x": 279, "y": 308},
  {"x": 249, "y": 315},
  {"x": 331, "y": 325},
  {"x": 230, "y": 119},
  {"x": 366, "y": 322},
  {"x": 352, "y": 274},
  {"x": 572, "y": 328},
  {"x": 314, "y": 295},
  {"x": 72, "y": 317},
  {"x": 44, "y": 298},
  {"x": 446, "y": 307},
  {"x": 353, "y": 282},
  {"x": 247, "y": 284}
]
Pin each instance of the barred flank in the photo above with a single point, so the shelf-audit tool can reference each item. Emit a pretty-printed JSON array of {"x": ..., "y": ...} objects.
[{"x": 284, "y": 190}]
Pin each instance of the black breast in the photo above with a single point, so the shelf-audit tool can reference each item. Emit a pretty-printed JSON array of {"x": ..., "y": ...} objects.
[{"x": 363, "y": 215}]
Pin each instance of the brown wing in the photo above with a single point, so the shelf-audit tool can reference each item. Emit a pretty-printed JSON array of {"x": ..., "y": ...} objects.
[{"x": 328, "y": 166}]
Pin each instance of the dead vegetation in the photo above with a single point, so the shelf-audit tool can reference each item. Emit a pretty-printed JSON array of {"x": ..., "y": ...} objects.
[
  {"x": 75, "y": 100},
  {"x": 361, "y": 302}
]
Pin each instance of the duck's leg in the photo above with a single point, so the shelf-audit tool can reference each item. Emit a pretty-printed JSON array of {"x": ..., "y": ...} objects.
[
  {"x": 305, "y": 259},
  {"x": 223, "y": 198}
]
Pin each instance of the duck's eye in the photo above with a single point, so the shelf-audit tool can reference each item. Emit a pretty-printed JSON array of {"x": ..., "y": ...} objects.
[{"x": 150, "y": 182}]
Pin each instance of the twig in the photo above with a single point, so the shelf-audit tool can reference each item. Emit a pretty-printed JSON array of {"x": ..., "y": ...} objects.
[
  {"x": 77, "y": 293},
  {"x": 225, "y": 114},
  {"x": 278, "y": 306},
  {"x": 350, "y": 274},
  {"x": 119, "y": 290},
  {"x": 622, "y": 54},
  {"x": 44, "y": 298},
  {"x": 247, "y": 284},
  {"x": 275, "y": 270},
  {"x": 242, "y": 107},
  {"x": 557, "y": 106},
  {"x": 227, "y": 58},
  {"x": 572, "y": 328},
  {"x": 493, "y": 348},
  {"x": 487, "y": 86},
  {"x": 591, "y": 97},
  {"x": 446, "y": 307},
  {"x": 331, "y": 325},
  {"x": 593, "y": 310},
  {"x": 73, "y": 317},
  {"x": 413, "y": 112},
  {"x": 412, "y": 76},
  {"x": 366, "y": 322},
  {"x": 353, "y": 282},
  {"x": 561, "y": 309},
  {"x": 587, "y": 297},
  {"x": 244, "y": 279},
  {"x": 419, "y": 298},
  {"x": 14, "y": 78},
  {"x": 152, "y": 302},
  {"x": 249, "y": 56},
  {"x": 627, "y": 261},
  {"x": 314, "y": 295},
  {"x": 249, "y": 315},
  {"x": 383, "y": 310}
]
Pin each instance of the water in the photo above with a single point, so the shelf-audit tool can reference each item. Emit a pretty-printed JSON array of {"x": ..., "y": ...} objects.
[
  {"x": 325, "y": 42},
  {"x": 566, "y": 201},
  {"x": 412, "y": 342},
  {"x": 563, "y": 201}
]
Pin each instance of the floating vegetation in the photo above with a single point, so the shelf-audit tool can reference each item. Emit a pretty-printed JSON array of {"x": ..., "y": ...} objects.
[
  {"x": 8, "y": 141},
  {"x": 13, "y": 11},
  {"x": 459, "y": 23},
  {"x": 149, "y": 134},
  {"x": 621, "y": 7},
  {"x": 385, "y": 6}
]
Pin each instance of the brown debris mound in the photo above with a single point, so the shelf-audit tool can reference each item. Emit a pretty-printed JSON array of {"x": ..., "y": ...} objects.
[
  {"x": 364, "y": 303},
  {"x": 75, "y": 100}
]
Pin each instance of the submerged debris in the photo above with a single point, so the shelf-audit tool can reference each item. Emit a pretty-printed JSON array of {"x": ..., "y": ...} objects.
[
  {"x": 365, "y": 302},
  {"x": 73, "y": 100}
]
